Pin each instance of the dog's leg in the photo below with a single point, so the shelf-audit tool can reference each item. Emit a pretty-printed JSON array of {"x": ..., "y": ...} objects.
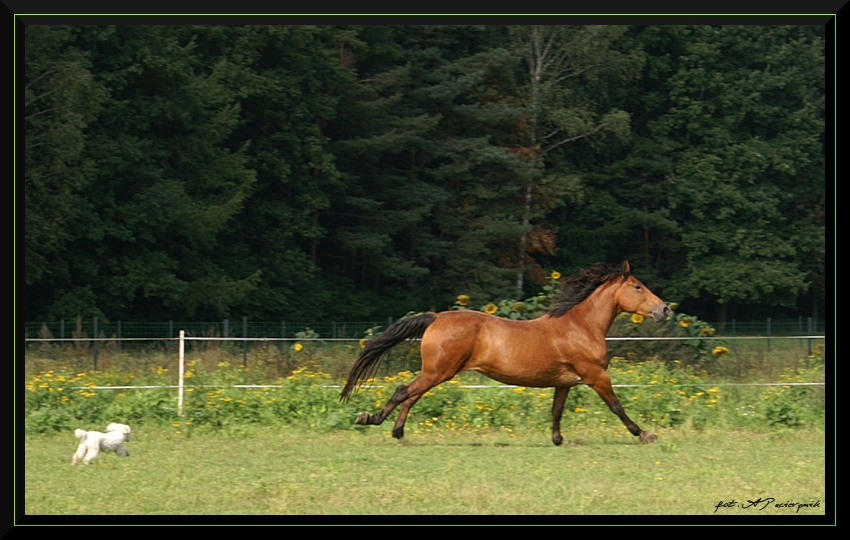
[
  {"x": 81, "y": 451},
  {"x": 93, "y": 452},
  {"x": 83, "y": 447}
]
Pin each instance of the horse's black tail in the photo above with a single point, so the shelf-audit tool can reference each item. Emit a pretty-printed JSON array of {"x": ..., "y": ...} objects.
[{"x": 376, "y": 350}]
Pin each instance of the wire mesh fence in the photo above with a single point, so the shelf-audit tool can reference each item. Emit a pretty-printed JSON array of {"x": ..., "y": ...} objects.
[{"x": 246, "y": 328}]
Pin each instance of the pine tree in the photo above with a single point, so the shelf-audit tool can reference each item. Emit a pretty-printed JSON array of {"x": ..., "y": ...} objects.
[
  {"x": 61, "y": 98},
  {"x": 168, "y": 179}
]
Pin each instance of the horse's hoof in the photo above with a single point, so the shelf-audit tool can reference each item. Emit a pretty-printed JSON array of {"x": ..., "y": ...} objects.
[
  {"x": 557, "y": 439},
  {"x": 647, "y": 437},
  {"x": 363, "y": 419},
  {"x": 398, "y": 433}
]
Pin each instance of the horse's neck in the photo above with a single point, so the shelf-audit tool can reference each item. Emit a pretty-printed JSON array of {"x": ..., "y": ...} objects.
[{"x": 597, "y": 311}]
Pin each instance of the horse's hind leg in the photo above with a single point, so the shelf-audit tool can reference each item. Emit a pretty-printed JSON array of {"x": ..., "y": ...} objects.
[
  {"x": 406, "y": 395},
  {"x": 399, "y": 395},
  {"x": 437, "y": 367},
  {"x": 398, "y": 428},
  {"x": 558, "y": 402},
  {"x": 426, "y": 380}
]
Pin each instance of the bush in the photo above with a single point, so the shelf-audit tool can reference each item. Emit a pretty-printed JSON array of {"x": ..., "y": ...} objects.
[{"x": 796, "y": 403}]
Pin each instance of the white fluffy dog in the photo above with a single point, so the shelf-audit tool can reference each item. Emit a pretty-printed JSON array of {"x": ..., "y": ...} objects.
[{"x": 92, "y": 442}]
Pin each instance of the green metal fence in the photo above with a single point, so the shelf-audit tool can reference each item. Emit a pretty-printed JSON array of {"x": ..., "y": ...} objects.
[
  {"x": 245, "y": 328},
  {"x": 92, "y": 337},
  {"x": 226, "y": 328}
]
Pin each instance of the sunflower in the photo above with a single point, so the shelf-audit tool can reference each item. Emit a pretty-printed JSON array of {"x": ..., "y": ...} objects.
[
  {"x": 684, "y": 323},
  {"x": 637, "y": 318},
  {"x": 720, "y": 351},
  {"x": 298, "y": 347},
  {"x": 556, "y": 276},
  {"x": 491, "y": 309},
  {"x": 463, "y": 300}
]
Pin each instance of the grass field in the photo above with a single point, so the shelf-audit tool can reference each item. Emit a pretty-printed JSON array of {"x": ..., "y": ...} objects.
[
  {"x": 289, "y": 453},
  {"x": 248, "y": 473}
]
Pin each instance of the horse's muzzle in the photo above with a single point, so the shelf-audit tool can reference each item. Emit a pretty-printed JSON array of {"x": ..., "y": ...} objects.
[{"x": 659, "y": 313}]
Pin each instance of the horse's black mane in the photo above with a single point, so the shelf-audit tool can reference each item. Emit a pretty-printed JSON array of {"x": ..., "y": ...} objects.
[{"x": 576, "y": 288}]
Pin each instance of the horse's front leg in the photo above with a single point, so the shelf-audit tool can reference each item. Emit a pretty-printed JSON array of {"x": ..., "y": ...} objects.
[
  {"x": 558, "y": 403},
  {"x": 601, "y": 383}
]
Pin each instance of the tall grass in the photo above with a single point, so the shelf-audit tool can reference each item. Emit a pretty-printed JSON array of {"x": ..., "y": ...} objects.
[{"x": 219, "y": 393}]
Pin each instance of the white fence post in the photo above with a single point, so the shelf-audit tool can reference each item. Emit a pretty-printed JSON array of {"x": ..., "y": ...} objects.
[{"x": 181, "y": 349}]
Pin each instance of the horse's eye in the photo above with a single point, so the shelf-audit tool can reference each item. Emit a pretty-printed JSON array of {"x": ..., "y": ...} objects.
[{"x": 637, "y": 287}]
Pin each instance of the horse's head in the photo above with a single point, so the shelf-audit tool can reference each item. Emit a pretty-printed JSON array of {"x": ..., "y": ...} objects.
[{"x": 634, "y": 297}]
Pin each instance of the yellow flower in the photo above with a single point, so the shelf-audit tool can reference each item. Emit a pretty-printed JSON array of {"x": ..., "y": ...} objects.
[
  {"x": 298, "y": 347},
  {"x": 463, "y": 300},
  {"x": 637, "y": 318},
  {"x": 518, "y": 306},
  {"x": 684, "y": 323},
  {"x": 363, "y": 343},
  {"x": 556, "y": 276},
  {"x": 579, "y": 410},
  {"x": 491, "y": 308},
  {"x": 720, "y": 351}
]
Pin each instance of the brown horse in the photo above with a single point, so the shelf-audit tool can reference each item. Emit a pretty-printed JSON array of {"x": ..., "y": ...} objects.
[{"x": 560, "y": 349}]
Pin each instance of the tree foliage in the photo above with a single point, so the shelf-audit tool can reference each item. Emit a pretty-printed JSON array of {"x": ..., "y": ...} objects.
[
  {"x": 352, "y": 172},
  {"x": 747, "y": 120}
]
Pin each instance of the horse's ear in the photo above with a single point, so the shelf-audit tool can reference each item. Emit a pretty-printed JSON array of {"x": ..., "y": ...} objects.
[{"x": 626, "y": 268}]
